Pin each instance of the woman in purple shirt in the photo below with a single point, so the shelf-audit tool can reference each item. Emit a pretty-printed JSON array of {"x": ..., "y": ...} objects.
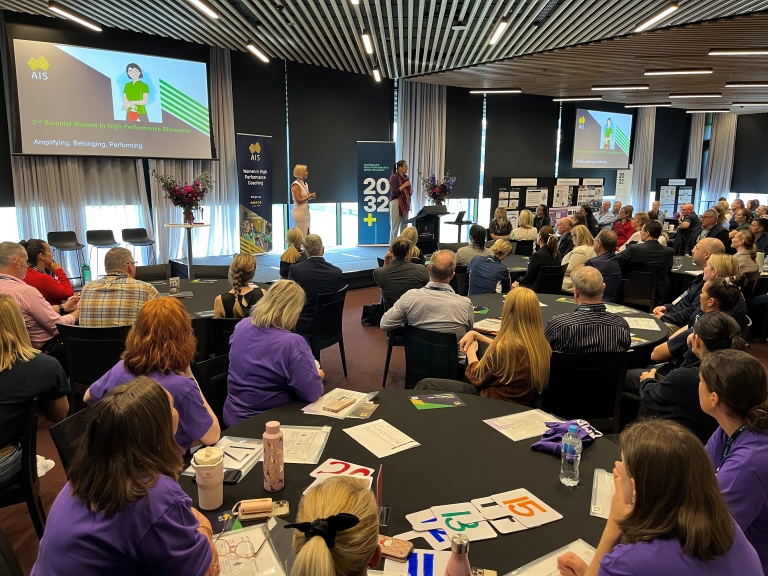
[
  {"x": 667, "y": 515},
  {"x": 122, "y": 512},
  {"x": 270, "y": 366},
  {"x": 733, "y": 388}
]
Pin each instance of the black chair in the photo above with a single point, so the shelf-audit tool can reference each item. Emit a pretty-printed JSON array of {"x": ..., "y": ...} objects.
[
  {"x": 212, "y": 375},
  {"x": 24, "y": 487},
  {"x": 327, "y": 324},
  {"x": 622, "y": 291},
  {"x": 91, "y": 353},
  {"x": 587, "y": 386},
  {"x": 452, "y": 246},
  {"x": 394, "y": 338},
  {"x": 153, "y": 273},
  {"x": 221, "y": 331},
  {"x": 139, "y": 237},
  {"x": 67, "y": 433},
  {"x": 640, "y": 289},
  {"x": 100, "y": 239},
  {"x": 212, "y": 272},
  {"x": 551, "y": 279},
  {"x": 429, "y": 355},
  {"x": 460, "y": 281},
  {"x": 67, "y": 242},
  {"x": 9, "y": 564},
  {"x": 523, "y": 247}
]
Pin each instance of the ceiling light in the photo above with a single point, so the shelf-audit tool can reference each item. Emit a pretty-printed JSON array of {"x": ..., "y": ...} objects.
[
  {"x": 377, "y": 74},
  {"x": 507, "y": 91},
  {"x": 662, "y": 105},
  {"x": 258, "y": 53},
  {"x": 355, "y": 2},
  {"x": 746, "y": 84},
  {"x": 74, "y": 16},
  {"x": 739, "y": 52},
  {"x": 678, "y": 72},
  {"x": 761, "y": 104},
  {"x": 576, "y": 98},
  {"x": 714, "y": 95},
  {"x": 367, "y": 42},
  {"x": 205, "y": 8},
  {"x": 632, "y": 87},
  {"x": 705, "y": 111},
  {"x": 501, "y": 25},
  {"x": 657, "y": 18},
  {"x": 458, "y": 27}
]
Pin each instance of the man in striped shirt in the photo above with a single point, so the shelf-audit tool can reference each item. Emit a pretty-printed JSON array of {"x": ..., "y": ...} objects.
[{"x": 590, "y": 329}]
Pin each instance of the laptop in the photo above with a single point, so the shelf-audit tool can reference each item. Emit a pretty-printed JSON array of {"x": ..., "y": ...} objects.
[{"x": 460, "y": 216}]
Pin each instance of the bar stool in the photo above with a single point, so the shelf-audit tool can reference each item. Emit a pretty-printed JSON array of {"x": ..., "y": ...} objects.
[
  {"x": 139, "y": 237},
  {"x": 67, "y": 242},
  {"x": 99, "y": 239}
]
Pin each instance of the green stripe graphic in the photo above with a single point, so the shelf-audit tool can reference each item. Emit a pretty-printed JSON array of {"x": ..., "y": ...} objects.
[
  {"x": 185, "y": 108},
  {"x": 622, "y": 141}
]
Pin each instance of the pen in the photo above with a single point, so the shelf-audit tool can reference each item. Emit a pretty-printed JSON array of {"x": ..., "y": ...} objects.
[{"x": 241, "y": 447}]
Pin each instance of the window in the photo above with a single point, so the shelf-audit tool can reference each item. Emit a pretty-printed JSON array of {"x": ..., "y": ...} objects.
[
  {"x": 449, "y": 232},
  {"x": 113, "y": 218},
  {"x": 8, "y": 225},
  {"x": 349, "y": 223},
  {"x": 278, "y": 228},
  {"x": 323, "y": 222}
]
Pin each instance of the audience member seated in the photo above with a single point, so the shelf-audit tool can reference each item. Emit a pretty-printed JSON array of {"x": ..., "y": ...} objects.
[
  {"x": 762, "y": 210},
  {"x": 667, "y": 515},
  {"x": 676, "y": 394},
  {"x": 161, "y": 346},
  {"x": 316, "y": 276},
  {"x": 720, "y": 212},
  {"x": 295, "y": 252},
  {"x": 487, "y": 272},
  {"x": 589, "y": 329},
  {"x": 689, "y": 222},
  {"x": 753, "y": 205},
  {"x": 583, "y": 250},
  {"x": 547, "y": 254},
  {"x": 269, "y": 366},
  {"x": 676, "y": 314},
  {"x": 605, "y": 261},
  {"x": 638, "y": 221},
  {"x": 709, "y": 229},
  {"x": 238, "y": 302},
  {"x": 650, "y": 252},
  {"x": 759, "y": 227},
  {"x": 337, "y": 529},
  {"x": 44, "y": 274},
  {"x": 664, "y": 238},
  {"x": 465, "y": 254},
  {"x": 592, "y": 224},
  {"x": 542, "y": 217},
  {"x": 412, "y": 235},
  {"x": 606, "y": 217},
  {"x": 623, "y": 226},
  {"x": 499, "y": 228},
  {"x": 736, "y": 206},
  {"x": 123, "y": 511},
  {"x": 115, "y": 299},
  {"x": 660, "y": 215},
  {"x": 733, "y": 390},
  {"x": 24, "y": 374},
  {"x": 741, "y": 220},
  {"x": 525, "y": 229},
  {"x": 436, "y": 307},
  {"x": 515, "y": 367},
  {"x": 40, "y": 317},
  {"x": 578, "y": 219},
  {"x": 746, "y": 251},
  {"x": 565, "y": 243},
  {"x": 401, "y": 275}
]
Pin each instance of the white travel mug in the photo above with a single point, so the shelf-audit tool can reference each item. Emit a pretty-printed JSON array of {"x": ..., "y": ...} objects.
[
  {"x": 760, "y": 258},
  {"x": 209, "y": 475}
]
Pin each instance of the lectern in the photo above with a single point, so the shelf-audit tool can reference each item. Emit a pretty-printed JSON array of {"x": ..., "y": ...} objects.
[{"x": 427, "y": 224}]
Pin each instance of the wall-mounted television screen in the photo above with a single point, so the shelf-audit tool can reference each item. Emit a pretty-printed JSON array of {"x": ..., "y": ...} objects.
[{"x": 601, "y": 139}]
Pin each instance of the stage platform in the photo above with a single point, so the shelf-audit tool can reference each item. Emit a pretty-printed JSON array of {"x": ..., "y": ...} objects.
[{"x": 356, "y": 263}]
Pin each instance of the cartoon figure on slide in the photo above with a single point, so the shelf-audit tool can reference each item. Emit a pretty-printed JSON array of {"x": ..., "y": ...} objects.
[
  {"x": 608, "y": 134},
  {"x": 135, "y": 95}
]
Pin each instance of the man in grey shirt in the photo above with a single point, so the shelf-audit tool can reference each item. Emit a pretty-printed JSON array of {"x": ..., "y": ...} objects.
[
  {"x": 436, "y": 307},
  {"x": 401, "y": 275}
]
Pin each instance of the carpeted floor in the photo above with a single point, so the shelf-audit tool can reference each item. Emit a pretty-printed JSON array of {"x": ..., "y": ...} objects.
[{"x": 365, "y": 352}]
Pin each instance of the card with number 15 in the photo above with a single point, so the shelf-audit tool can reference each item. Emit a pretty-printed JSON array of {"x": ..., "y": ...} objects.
[{"x": 526, "y": 508}]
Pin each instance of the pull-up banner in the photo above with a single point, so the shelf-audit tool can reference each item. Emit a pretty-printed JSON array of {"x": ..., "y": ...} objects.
[
  {"x": 254, "y": 179},
  {"x": 374, "y": 167}
]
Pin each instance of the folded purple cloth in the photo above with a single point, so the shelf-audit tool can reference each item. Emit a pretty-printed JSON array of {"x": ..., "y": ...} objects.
[{"x": 552, "y": 439}]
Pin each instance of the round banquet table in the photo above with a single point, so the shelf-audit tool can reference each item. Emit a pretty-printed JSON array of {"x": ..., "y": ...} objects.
[{"x": 460, "y": 458}]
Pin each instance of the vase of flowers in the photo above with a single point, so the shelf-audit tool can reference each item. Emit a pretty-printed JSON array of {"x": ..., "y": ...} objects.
[
  {"x": 437, "y": 191},
  {"x": 185, "y": 195}
]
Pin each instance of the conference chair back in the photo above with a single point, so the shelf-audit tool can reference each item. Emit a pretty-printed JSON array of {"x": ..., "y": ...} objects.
[
  {"x": 211, "y": 375},
  {"x": 452, "y": 246},
  {"x": 153, "y": 273},
  {"x": 327, "y": 324},
  {"x": 9, "y": 564},
  {"x": 24, "y": 487},
  {"x": 137, "y": 237},
  {"x": 640, "y": 290},
  {"x": 221, "y": 332},
  {"x": 460, "y": 281},
  {"x": 523, "y": 247},
  {"x": 551, "y": 279},
  {"x": 394, "y": 338},
  {"x": 212, "y": 272},
  {"x": 429, "y": 355},
  {"x": 67, "y": 433},
  {"x": 588, "y": 387},
  {"x": 380, "y": 262},
  {"x": 64, "y": 241}
]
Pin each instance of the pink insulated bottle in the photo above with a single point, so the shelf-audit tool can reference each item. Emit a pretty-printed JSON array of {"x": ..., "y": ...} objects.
[
  {"x": 458, "y": 563},
  {"x": 274, "y": 474}
]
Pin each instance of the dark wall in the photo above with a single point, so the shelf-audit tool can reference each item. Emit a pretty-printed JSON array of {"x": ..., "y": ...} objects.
[
  {"x": 328, "y": 112},
  {"x": 6, "y": 175},
  {"x": 670, "y": 144},
  {"x": 750, "y": 165},
  {"x": 463, "y": 138},
  {"x": 520, "y": 137}
]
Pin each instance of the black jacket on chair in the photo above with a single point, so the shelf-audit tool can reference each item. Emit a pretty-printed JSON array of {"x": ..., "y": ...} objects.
[
  {"x": 651, "y": 252},
  {"x": 564, "y": 245},
  {"x": 315, "y": 276},
  {"x": 717, "y": 231},
  {"x": 542, "y": 257}
]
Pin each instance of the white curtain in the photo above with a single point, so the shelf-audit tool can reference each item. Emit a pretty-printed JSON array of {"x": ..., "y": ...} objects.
[
  {"x": 717, "y": 180},
  {"x": 421, "y": 133},
  {"x": 642, "y": 158},
  {"x": 695, "y": 148}
]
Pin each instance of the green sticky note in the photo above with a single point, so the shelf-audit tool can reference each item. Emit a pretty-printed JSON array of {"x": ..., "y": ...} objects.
[{"x": 236, "y": 525}]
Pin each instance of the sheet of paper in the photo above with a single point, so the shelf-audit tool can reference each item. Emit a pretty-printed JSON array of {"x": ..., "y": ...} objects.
[
  {"x": 241, "y": 461},
  {"x": 523, "y": 425},
  {"x": 526, "y": 508},
  {"x": 381, "y": 438},
  {"x": 304, "y": 444},
  {"x": 693, "y": 272},
  {"x": 603, "y": 488},
  {"x": 536, "y": 196},
  {"x": 488, "y": 325},
  {"x": 619, "y": 309},
  {"x": 547, "y": 565},
  {"x": 562, "y": 196},
  {"x": 338, "y": 394},
  {"x": 249, "y": 540},
  {"x": 642, "y": 323},
  {"x": 420, "y": 563}
]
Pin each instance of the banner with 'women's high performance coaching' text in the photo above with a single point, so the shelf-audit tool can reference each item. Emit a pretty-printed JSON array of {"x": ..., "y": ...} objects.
[{"x": 254, "y": 178}]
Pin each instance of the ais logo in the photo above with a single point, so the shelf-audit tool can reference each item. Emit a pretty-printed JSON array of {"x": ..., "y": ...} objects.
[
  {"x": 582, "y": 121},
  {"x": 255, "y": 151},
  {"x": 39, "y": 68}
]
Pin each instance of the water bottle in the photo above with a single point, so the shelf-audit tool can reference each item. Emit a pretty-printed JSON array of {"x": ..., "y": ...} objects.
[
  {"x": 274, "y": 472},
  {"x": 570, "y": 455},
  {"x": 86, "y": 273},
  {"x": 458, "y": 563}
]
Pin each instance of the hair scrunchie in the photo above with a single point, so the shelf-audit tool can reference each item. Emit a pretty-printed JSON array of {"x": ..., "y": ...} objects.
[{"x": 326, "y": 528}]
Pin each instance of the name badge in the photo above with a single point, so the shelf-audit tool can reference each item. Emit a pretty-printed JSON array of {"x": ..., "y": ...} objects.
[{"x": 683, "y": 295}]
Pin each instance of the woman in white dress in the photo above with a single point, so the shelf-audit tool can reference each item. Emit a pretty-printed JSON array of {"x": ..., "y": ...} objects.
[{"x": 301, "y": 196}]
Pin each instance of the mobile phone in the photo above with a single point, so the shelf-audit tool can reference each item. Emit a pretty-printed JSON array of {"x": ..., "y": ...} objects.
[
  {"x": 395, "y": 548},
  {"x": 232, "y": 476},
  {"x": 482, "y": 572}
]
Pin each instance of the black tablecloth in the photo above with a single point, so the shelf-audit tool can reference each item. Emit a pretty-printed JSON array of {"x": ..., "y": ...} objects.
[
  {"x": 204, "y": 291},
  {"x": 682, "y": 278},
  {"x": 460, "y": 458}
]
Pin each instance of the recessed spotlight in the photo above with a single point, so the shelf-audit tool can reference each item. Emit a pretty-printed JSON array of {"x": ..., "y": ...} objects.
[
  {"x": 738, "y": 52},
  {"x": 658, "y": 17},
  {"x": 576, "y": 98},
  {"x": 713, "y": 95},
  {"x": 205, "y": 8},
  {"x": 501, "y": 25},
  {"x": 505, "y": 91},
  {"x": 661, "y": 105},
  {"x": 258, "y": 53},
  {"x": 678, "y": 72},
  {"x": 74, "y": 16},
  {"x": 626, "y": 87}
]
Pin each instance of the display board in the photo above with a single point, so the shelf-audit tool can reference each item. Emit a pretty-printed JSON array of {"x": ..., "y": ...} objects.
[
  {"x": 254, "y": 180},
  {"x": 672, "y": 192},
  {"x": 374, "y": 167}
]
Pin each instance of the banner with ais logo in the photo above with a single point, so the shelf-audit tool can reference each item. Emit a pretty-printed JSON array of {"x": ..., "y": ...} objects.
[
  {"x": 374, "y": 167},
  {"x": 254, "y": 178}
]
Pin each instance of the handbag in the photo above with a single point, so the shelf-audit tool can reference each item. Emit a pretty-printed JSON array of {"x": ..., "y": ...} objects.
[{"x": 371, "y": 314}]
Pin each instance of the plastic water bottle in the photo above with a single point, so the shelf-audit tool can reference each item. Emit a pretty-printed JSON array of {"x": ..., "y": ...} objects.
[
  {"x": 570, "y": 455},
  {"x": 86, "y": 273}
]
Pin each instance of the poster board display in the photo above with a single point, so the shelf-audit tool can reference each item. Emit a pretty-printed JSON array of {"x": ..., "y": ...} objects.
[{"x": 674, "y": 192}]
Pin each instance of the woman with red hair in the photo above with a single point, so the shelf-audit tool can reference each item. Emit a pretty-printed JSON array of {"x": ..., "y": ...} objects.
[{"x": 161, "y": 346}]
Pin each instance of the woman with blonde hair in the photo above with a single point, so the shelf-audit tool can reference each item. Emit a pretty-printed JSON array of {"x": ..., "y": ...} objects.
[
  {"x": 337, "y": 529},
  {"x": 525, "y": 229},
  {"x": 487, "y": 272},
  {"x": 24, "y": 374},
  {"x": 500, "y": 228},
  {"x": 269, "y": 365},
  {"x": 237, "y": 303},
  {"x": 718, "y": 208},
  {"x": 583, "y": 250},
  {"x": 410, "y": 233},
  {"x": 161, "y": 345},
  {"x": 746, "y": 251},
  {"x": 295, "y": 252},
  {"x": 301, "y": 196},
  {"x": 515, "y": 367}
]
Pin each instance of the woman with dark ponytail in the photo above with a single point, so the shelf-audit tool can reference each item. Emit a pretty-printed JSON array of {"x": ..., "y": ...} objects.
[
  {"x": 45, "y": 274},
  {"x": 734, "y": 390},
  {"x": 546, "y": 255},
  {"x": 238, "y": 302},
  {"x": 399, "y": 197}
]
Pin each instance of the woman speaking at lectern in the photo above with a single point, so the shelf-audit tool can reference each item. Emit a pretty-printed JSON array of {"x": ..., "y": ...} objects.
[
  {"x": 399, "y": 198},
  {"x": 301, "y": 197}
]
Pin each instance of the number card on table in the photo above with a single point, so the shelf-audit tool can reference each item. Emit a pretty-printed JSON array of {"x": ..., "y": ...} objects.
[
  {"x": 420, "y": 563},
  {"x": 526, "y": 508},
  {"x": 334, "y": 467}
]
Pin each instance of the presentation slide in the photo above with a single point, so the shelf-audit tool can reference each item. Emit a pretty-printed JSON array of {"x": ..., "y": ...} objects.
[
  {"x": 82, "y": 101},
  {"x": 601, "y": 139}
]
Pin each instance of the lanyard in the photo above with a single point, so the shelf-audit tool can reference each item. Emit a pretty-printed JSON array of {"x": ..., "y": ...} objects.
[
  {"x": 729, "y": 443},
  {"x": 438, "y": 289},
  {"x": 4, "y": 277},
  {"x": 591, "y": 308}
]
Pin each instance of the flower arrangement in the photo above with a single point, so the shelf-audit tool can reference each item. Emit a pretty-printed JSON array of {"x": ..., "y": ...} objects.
[
  {"x": 186, "y": 196},
  {"x": 437, "y": 190}
]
